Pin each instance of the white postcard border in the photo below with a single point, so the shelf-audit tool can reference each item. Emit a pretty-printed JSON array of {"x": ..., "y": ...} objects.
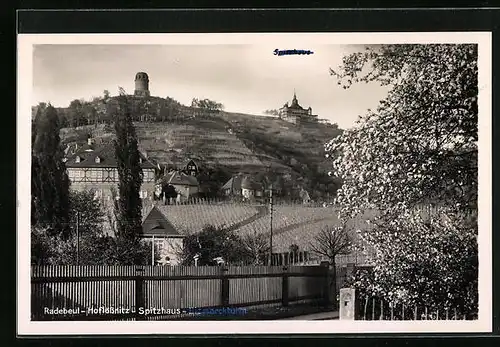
[{"x": 275, "y": 40}]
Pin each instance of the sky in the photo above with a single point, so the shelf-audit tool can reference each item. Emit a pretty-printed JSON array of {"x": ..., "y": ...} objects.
[{"x": 244, "y": 78}]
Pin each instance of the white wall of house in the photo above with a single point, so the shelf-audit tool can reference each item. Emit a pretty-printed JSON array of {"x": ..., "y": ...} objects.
[
  {"x": 186, "y": 191},
  {"x": 168, "y": 247},
  {"x": 247, "y": 193}
]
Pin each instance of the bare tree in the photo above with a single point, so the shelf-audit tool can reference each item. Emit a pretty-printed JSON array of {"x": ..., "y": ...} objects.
[
  {"x": 331, "y": 242},
  {"x": 258, "y": 246}
]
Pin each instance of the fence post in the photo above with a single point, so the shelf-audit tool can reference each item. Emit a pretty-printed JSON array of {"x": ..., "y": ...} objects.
[
  {"x": 139, "y": 292},
  {"x": 348, "y": 304},
  {"x": 224, "y": 286},
  {"x": 284, "y": 287}
]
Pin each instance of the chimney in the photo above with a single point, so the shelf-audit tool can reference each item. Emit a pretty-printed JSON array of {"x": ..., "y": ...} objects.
[{"x": 89, "y": 141}]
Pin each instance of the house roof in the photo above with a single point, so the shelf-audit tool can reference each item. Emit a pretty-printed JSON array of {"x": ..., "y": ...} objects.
[
  {"x": 190, "y": 162},
  {"x": 155, "y": 224},
  {"x": 106, "y": 153},
  {"x": 239, "y": 182},
  {"x": 180, "y": 178}
]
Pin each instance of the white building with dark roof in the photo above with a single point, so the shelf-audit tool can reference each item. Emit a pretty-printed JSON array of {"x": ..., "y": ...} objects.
[
  {"x": 185, "y": 185},
  {"x": 243, "y": 186},
  {"x": 95, "y": 167}
]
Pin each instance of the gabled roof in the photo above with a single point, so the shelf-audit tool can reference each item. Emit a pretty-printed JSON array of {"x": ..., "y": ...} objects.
[
  {"x": 191, "y": 162},
  {"x": 106, "y": 154},
  {"x": 239, "y": 182},
  {"x": 155, "y": 224},
  {"x": 180, "y": 178}
]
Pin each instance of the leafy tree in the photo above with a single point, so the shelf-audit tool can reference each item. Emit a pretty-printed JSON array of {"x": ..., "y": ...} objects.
[
  {"x": 76, "y": 113},
  {"x": 123, "y": 251},
  {"x": 272, "y": 112},
  {"x": 86, "y": 212},
  {"x": 130, "y": 174},
  {"x": 211, "y": 181},
  {"x": 49, "y": 181},
  {"x": 418, "y": 148},
  {"x": 207, "y": 105},
  {"x": 43, "y": 246},
  {"x": 168, "y": 192},
  {"x": 211, "y": 243},
  {"x": 432, "y": 259},
  {"x": 420, "y": 145}
]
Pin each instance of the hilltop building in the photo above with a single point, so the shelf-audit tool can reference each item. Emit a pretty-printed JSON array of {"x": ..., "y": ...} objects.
[
  {"x": 95, "y": 167},
  {"x": 296, "y": 114},
  {"x": 141, "y": 84}
]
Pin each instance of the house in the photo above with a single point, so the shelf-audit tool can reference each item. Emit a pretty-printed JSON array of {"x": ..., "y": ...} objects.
[
  {"x": 185, "y": 185},
  {"x": 296, "y": 114},
  {"x": 167, "y": 240},
  {"x": 168, "y": 225},
  {"x": 191, "y": 168},
  {"x": 243, "y": 186},
  {"x": 93, "y": 166}
]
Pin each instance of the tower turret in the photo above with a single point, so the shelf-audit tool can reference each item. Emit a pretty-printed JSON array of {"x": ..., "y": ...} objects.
[{"x": 141, "y": 84}]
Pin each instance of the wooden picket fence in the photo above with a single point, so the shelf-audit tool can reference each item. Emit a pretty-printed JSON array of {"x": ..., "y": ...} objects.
[{"x": 118, "y": 292}]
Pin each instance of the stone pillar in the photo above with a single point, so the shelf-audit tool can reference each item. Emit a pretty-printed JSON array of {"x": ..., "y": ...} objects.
[{"x": 347, "y": 304}]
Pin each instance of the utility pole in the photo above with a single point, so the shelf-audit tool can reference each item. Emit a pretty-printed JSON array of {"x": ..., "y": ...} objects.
[
  {"x": 153, "y": 251},
  {"x": 271, "y": 224},
  {"x": 77, "y": 239}
]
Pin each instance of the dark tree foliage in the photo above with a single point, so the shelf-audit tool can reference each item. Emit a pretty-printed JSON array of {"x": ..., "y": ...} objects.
[
  {"x": 49, "y": 181},
  {"x": 129, "y": 205},
  {"x": 207, "y": 104},
  {"x": 168, "y": 192},
  {"x": 95, "y": 247},
  {"x": 211, "y": 181},
  {"x": 272, "y": 112},
  {"x": 211, "y": 243}
]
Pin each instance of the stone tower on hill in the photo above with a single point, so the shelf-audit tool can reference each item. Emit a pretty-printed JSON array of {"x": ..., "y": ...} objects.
[{"x": 141, "y": 84}]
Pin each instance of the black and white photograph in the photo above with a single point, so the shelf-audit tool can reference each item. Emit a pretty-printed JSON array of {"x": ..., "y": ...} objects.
[{"x": 325, "y": 182}]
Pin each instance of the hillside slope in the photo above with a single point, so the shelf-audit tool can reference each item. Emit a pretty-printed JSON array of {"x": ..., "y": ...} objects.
[
  {"x": 171, "y": 134},
  {"x": 240, "y": 142}
]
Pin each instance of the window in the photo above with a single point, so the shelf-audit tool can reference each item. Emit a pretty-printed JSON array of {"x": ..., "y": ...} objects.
[
  {"x": 97, "y": 159},
  {"x": 77, "y": 159},
  {"x": 93, "y": 175},
  {"x": 143, "y": 194},
  {"x": 159, "y": 245}
]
